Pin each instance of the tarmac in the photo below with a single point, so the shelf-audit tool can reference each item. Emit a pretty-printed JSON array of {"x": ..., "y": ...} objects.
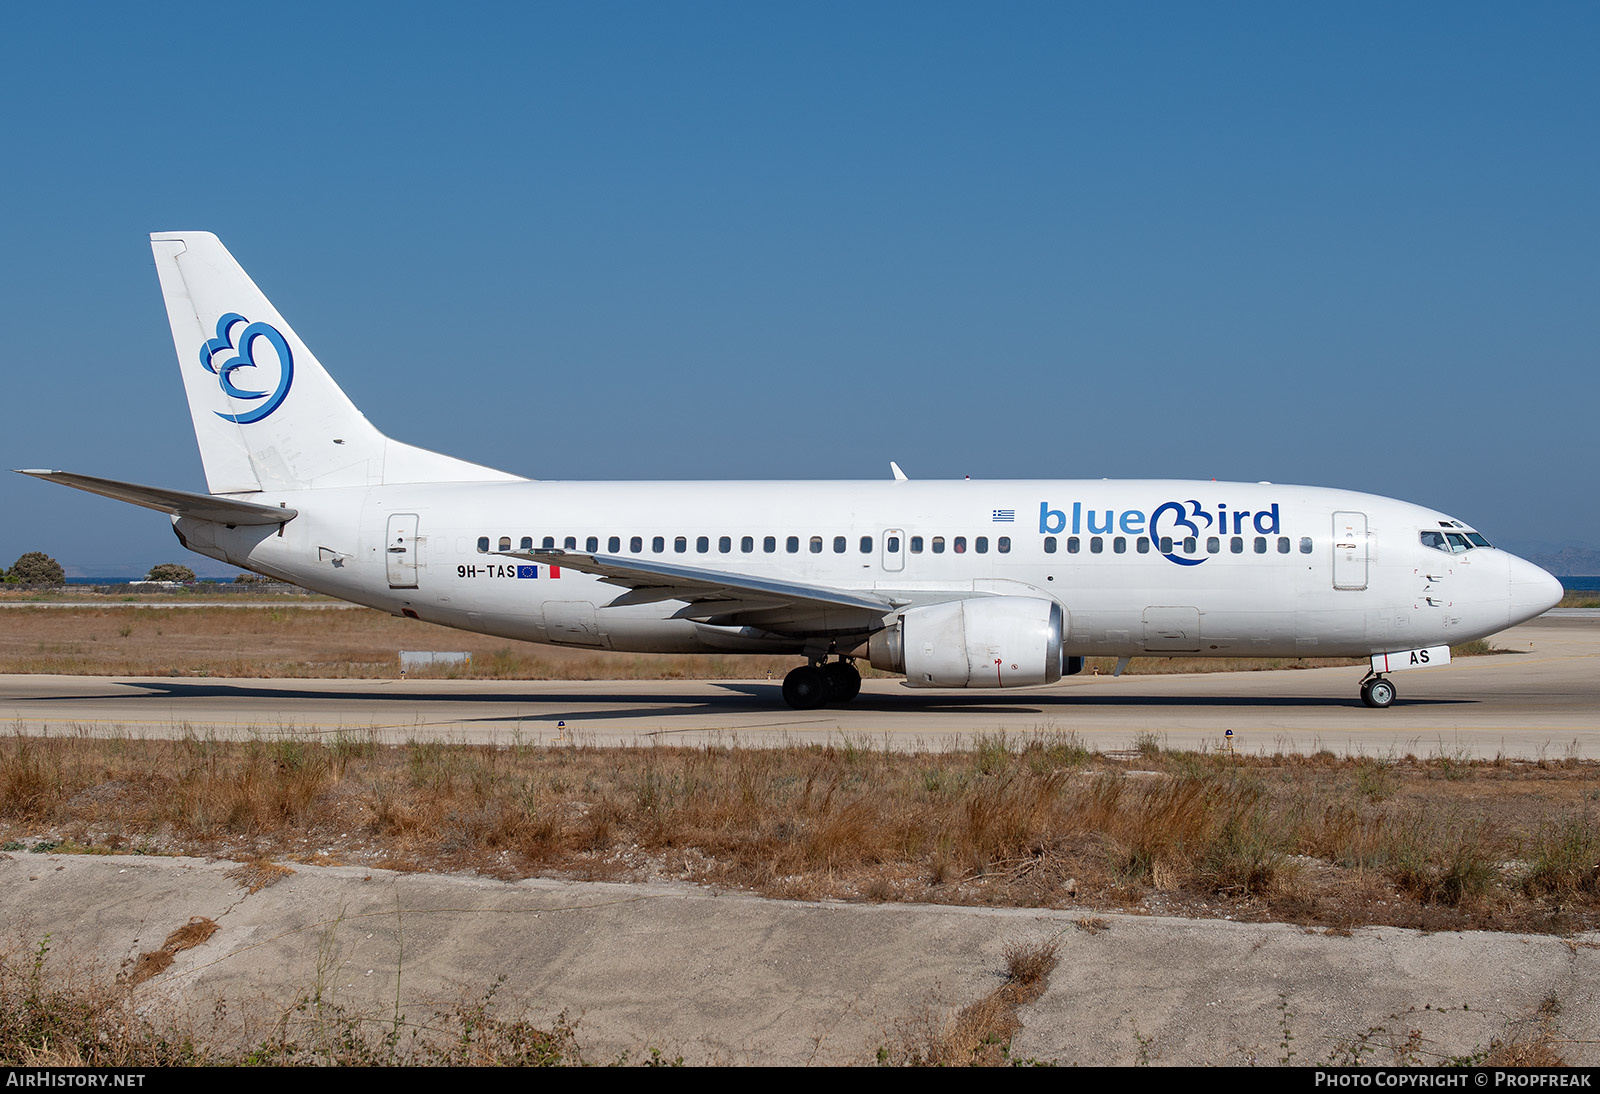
[{"x": 1539, "y": 700}]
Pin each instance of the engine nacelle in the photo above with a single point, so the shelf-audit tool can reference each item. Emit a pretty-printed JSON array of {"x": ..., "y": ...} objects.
[{"x": 984, "y": 642}]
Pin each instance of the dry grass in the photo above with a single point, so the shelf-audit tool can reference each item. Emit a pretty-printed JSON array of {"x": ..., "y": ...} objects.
[
  {"x": 259, "y": 874},
  {"x": 980, "y": 1034},
  {"x": 273, "y": 639},
  {"x": 67, "y": 1018},
  {"x": 53, "y": 1017},
  {"x": 186, "y": 937},
  {"x": 1041, "y": 821}
]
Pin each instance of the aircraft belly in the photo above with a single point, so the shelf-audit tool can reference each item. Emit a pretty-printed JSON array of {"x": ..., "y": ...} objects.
[
  {"x": 573, "y": 623},
  {"x": 1331, "y": 632}
]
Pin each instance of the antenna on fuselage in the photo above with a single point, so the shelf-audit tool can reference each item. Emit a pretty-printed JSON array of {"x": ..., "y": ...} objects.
[{"x": 899, "y": 475}]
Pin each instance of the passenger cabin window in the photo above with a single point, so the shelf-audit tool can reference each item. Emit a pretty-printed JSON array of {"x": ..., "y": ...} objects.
[
  {"x": 658, "y": 544},
  {"x": 1049, "y": 545},
  {"x": 614, "y": 544},
  {"x": 866, "y": 545},
  {"x": 1283, "y": 545},
  {"x": 1190, "y": 545},
  {"x": 702, "y": 544},
  {"x": 1305, "y": 545},
  {"x": 938, "y": 545},
  {"x": 792, "y": 545},
  {"x": 747, "y": 544},
  {"x": 636, "y": 545},
  {"x": 840, "y": 544},
  {"x": 1143, "y": 543},
  {"x": 1096, "y": 545},
  {"x": 1261, "y": 545},
  {"x": 724, "y": 544},
  {"x": 483, "y": 545},
  {"x": 549, "y": 543},
  {"x": 916, "y": 545},
  {"x": 892, "y": 545},
  {"x": 1213, "y": 545},
  {"x": 1072, "y": 545},
  {"x": 981, "y": 545},
  {"x": 1236, "y": 545},
  {"x": 592, "y": 544},
  {"x": 1166, "y": 545},
  {"x": 816, "y": 545},
  {"x": 1120, "y": 545},
  {"x": 570, "y": 543},
  {"x": 769, "y": 544},
  {"x": 505, "y": 543},
  {"x": 1003, "y": 545},
  {"x": 527, "y": 544},
  {"x": 680, "y": 544}
]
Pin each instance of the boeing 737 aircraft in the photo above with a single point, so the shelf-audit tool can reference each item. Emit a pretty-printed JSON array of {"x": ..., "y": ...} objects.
[{"x": 954, "y": 584}]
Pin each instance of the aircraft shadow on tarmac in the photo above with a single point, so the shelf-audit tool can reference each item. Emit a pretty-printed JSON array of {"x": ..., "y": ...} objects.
[{"x": 723, "y": 698}]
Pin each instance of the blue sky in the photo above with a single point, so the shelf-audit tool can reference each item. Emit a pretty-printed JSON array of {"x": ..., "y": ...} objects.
[{"x": 1349, "y": 245}]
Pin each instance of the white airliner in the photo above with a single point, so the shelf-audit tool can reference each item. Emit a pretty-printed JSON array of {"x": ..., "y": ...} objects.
[{"x": 954, "y": 584}]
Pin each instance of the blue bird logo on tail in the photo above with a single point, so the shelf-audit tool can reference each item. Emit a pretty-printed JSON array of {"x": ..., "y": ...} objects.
[{"x": 244, "y": 357}]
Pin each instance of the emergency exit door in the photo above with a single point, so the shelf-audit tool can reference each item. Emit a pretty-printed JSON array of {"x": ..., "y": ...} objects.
[{"x": 894, "y": 550}]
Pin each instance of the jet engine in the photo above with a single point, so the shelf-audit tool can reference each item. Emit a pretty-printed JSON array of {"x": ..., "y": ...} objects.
[{"x": 984, "y": 642}]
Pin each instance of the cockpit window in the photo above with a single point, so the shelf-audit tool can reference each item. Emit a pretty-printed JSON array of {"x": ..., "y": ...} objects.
[{"x": 1452, "y": 542}]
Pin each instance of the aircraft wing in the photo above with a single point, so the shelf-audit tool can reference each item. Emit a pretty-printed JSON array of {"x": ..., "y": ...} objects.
[
  {"x": 717, "y": 596},
  {"x": 179, "y": 503}
]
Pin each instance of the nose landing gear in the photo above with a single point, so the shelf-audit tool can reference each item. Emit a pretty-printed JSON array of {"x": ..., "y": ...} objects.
[
  {"x": 1377, "y": 692},
  {"x": 812, "y": 686}
]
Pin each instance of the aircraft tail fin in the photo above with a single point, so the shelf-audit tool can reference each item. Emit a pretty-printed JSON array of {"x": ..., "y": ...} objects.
[{"x": 266, "y": 413}]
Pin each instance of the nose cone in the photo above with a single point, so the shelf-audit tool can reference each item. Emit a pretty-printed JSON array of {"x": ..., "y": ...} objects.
[{"x": 1533, "y": 591}]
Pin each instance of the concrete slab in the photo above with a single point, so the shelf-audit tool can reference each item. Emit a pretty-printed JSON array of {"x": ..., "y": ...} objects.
[{"x": 730, "y": 978}]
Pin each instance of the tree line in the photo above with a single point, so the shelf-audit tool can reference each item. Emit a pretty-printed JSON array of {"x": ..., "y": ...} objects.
[{"x": 38, "y": 568}]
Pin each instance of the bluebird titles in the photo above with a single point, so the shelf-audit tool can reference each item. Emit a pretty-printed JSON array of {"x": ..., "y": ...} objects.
[{"x": 1168, "y": 518}]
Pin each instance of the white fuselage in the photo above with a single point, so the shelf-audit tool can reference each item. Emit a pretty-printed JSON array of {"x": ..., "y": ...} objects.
[{"x": 1139, "y": 567}]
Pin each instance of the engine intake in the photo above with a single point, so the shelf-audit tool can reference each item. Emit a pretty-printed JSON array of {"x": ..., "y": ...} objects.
[{"x": 984, "y": 642}]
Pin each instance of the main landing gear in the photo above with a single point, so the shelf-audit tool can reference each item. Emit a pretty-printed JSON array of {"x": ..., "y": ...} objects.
[
  {"x": 811, "y": 686},
  {"x": 1377, "y": 692}
]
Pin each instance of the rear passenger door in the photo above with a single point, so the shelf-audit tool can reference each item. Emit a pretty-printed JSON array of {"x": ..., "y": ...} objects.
[{"x": 400, "y": 554}]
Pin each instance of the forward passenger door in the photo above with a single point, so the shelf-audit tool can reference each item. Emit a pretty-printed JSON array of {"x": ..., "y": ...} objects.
[{"x": 1351, "y": 547}]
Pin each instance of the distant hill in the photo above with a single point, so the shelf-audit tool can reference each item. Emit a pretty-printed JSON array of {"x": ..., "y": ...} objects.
[{"x": 1570, "y": 562}]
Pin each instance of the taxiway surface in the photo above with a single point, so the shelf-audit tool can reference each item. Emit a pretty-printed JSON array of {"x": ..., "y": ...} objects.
[{"x": 1540, "y": 699}]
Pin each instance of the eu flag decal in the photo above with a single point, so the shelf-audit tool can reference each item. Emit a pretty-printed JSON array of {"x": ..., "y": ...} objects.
[{"x": 527, "y": 571}]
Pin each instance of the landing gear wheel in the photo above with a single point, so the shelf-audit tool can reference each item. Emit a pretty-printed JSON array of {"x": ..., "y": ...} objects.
[
  {"x": 806, "y": 688},
  {"x": 844, "y": 682},
  {"x": 1377, "y": 693}
]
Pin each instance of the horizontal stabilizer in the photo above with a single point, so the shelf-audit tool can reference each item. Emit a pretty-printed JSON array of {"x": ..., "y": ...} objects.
[{"x": 179, "y": 503}]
